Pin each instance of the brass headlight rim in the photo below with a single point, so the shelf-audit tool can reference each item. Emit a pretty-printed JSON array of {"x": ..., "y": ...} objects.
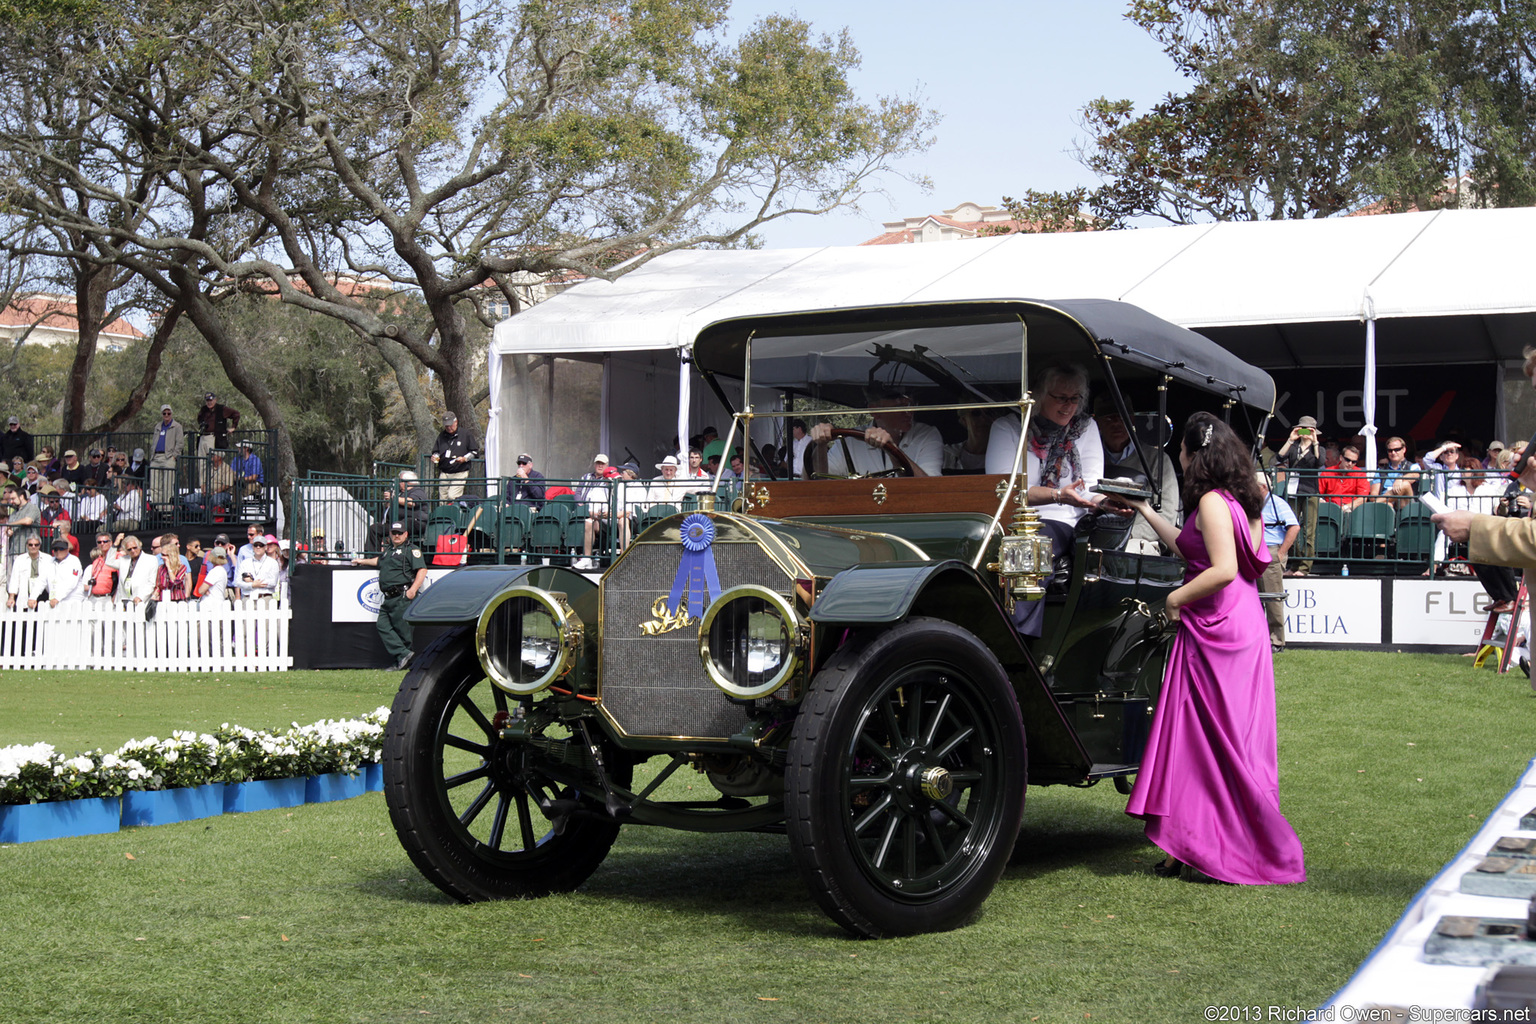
[
  {"x": 792, "y": 624},
  {"x": 566, "y": 623}
]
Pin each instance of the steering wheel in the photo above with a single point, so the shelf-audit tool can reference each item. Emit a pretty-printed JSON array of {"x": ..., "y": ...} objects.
[{"x": 903, "y": 465}]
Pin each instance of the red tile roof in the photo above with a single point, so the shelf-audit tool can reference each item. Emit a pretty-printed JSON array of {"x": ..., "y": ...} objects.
[
  {"x": 986, "y": 225},
  {"x": 57, "y": 312}
]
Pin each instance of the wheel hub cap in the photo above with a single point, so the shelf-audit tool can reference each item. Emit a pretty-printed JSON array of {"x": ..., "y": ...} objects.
[{"x": 936, "y": 783}]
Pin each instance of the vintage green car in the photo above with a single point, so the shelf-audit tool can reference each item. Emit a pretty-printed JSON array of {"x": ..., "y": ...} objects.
[{"x": 837, "y": 656}]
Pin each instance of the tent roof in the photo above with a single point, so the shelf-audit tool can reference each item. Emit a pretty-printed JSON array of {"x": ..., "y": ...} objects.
[{"x": 1237, "y": 282}]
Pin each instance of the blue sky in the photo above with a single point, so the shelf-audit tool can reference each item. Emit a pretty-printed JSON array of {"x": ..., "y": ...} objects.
[{"x": 1009, "y": 79}]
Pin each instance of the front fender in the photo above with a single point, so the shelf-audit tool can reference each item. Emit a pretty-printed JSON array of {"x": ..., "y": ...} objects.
[
  {"x": 463, "y": 594},
  {"x": 878, "y": 594}
]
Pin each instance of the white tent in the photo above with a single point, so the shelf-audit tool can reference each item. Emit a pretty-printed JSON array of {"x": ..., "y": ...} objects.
[{"x": 1432, "y": 284}]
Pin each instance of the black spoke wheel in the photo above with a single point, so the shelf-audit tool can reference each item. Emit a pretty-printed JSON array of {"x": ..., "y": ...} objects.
[
  {"x": 469, "y": 806},
  {"x": 906, "y": 779}
]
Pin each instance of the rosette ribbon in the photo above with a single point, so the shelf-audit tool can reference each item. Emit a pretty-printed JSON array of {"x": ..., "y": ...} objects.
[{"x": 696, "y": 577}]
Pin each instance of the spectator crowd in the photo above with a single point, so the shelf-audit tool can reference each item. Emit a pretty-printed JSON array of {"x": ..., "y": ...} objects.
[{"x": 55, "y": 503}]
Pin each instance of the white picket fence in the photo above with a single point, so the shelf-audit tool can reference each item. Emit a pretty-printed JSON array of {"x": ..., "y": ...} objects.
[{"x": 250, "y": 637}]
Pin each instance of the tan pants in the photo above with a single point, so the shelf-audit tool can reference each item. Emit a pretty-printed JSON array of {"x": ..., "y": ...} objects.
[
  {"x": 450, "y": 486},
  {"x": 162, "y": 478},
  {"x": 1273, "y": 582}
]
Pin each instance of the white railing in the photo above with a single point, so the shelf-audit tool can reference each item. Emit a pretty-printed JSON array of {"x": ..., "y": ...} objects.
[{"x": 250, "y": 637}]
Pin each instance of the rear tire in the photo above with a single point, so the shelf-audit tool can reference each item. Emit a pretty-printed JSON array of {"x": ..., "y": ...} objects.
[
  {"x": 464, "y": 802},
  {"x": 906, "y": 780}
]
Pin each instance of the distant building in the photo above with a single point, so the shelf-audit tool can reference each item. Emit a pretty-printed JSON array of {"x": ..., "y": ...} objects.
[
  {"x": 968, "y": 220},
  {"x": 530, "y": 289},
  {"x": 53, "y": 321}
]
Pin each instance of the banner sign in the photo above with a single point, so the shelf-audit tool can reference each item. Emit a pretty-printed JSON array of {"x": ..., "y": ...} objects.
[
  {"x": 1450, "y": 613},
  {"x": 1421, "y": 403},
  {"x": 1319, "y": 610},
  {"x": 356, "y": 597}
]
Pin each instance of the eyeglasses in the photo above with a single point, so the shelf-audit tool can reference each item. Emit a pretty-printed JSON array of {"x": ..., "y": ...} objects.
[
  {"x": 1348, "y": 458},
  {"x": 33, "y": 544},
  {"x": 1066, "y": 399},
  {"x": 1394, "y": 451}
]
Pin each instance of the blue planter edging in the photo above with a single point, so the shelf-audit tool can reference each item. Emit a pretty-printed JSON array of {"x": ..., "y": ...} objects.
[
  {"x": 166, "y": 806},
  {"x": 56, "y": 819},
  {"x": 319, "y": 789},
  {"x": 265, "y": 795}
]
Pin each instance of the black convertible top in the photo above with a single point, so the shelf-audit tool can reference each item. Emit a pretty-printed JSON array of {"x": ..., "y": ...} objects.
[{"x": 1121, "y": 332}]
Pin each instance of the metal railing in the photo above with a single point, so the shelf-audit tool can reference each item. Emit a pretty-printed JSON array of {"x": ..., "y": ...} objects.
[
  {"x": 169, "y": 497},
  {"x": 340, "y": 517},
  {"x": 1388, "y": 534}
]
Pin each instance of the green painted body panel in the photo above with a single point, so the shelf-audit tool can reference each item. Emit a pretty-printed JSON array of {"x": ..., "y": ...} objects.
[
  {"x": 940, "y": 536},
  {"x": 871, "y": 594},
  {"x": 827, "y": 549},
  {"x": 461, "y": 595}
]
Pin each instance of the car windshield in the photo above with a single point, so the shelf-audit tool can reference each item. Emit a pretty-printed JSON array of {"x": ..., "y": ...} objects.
[{"x": 932, "y": 364}]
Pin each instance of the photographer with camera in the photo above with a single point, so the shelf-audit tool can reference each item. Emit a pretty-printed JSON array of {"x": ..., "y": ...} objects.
[{"x": 1302, "y": 457}]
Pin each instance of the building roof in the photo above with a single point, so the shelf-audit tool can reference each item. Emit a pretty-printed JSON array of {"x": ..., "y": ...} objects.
[
  {"x": 57, "y": 313},
  {"x": 968, "y": 220}
]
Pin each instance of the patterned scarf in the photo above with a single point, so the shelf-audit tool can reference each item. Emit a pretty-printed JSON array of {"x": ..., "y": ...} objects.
[{"x": 1056, "y": 448}]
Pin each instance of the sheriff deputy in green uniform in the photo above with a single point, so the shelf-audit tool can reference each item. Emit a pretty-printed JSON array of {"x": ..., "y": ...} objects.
[{"x": 402, "y": 571}]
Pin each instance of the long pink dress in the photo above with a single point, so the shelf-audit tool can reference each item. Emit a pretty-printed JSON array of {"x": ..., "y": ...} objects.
[{"x": 1209, "y": 786}]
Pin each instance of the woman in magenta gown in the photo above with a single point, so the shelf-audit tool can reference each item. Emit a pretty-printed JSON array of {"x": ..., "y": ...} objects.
[{"x": 1208, "y": 787}]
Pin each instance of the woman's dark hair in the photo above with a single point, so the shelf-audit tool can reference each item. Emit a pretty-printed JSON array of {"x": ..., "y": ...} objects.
[{"x": 1218, "y": 460}]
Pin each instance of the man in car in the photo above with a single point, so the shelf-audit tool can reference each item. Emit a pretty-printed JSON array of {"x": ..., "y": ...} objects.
[
  {"x": 1121, "y": 460},
  {"x": 921, "y": 443}
]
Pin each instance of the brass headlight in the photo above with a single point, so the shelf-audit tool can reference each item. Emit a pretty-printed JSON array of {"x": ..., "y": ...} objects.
[
  {"x": 748, "y": 641},
  {"x": 526, "y": 639}
]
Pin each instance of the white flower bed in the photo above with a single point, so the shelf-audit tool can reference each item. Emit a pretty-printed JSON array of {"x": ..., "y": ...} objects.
[{"x": 32, "y": 773}]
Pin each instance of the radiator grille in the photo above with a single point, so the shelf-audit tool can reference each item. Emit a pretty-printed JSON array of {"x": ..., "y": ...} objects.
[{"x": 655, "y": 685}]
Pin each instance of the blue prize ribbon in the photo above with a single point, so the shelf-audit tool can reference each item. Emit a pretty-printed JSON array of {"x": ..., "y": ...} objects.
[{"x": 696, "y": 575}]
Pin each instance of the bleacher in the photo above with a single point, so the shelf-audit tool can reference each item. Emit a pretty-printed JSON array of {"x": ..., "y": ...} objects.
[
  {"x": 1388, "y": 538},
  {"x": 496, "y": 529},
  {"x": 259, "y": 505}
]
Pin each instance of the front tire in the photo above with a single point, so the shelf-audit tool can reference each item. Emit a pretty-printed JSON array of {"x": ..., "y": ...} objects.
[
  {"x": 906, "y": 780},
  {"x": 465, "y": 802}
]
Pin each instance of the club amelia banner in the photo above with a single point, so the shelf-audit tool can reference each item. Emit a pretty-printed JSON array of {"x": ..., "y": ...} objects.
[
  {"x": 1448, "y": 613},
  {"x": 1330, "y": 611},
  {"x": 356, "y": 597}
]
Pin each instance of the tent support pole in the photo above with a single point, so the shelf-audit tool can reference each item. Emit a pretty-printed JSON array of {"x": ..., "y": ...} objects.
[
  {"x": 1368, "y": 389},
  {"x": 684, "y": 402}
]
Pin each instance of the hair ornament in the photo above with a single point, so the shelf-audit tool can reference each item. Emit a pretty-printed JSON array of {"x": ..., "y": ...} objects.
[{"x": 1205, "y": 437}]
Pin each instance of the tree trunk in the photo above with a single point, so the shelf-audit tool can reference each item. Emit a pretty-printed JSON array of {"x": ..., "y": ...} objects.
[
  {"x": 210, "y": 325},
  {"x": 416, "y": 405},
  {"x": 92, "y": 285},
  {"x": 453, "y": 343},
  {"x": 136, "y": 398}
]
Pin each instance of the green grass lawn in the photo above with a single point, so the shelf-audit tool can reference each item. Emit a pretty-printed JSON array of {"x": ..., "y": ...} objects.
[
  {"x": 1389, "y": 763},
  {"x": 85, "y": 710}
]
